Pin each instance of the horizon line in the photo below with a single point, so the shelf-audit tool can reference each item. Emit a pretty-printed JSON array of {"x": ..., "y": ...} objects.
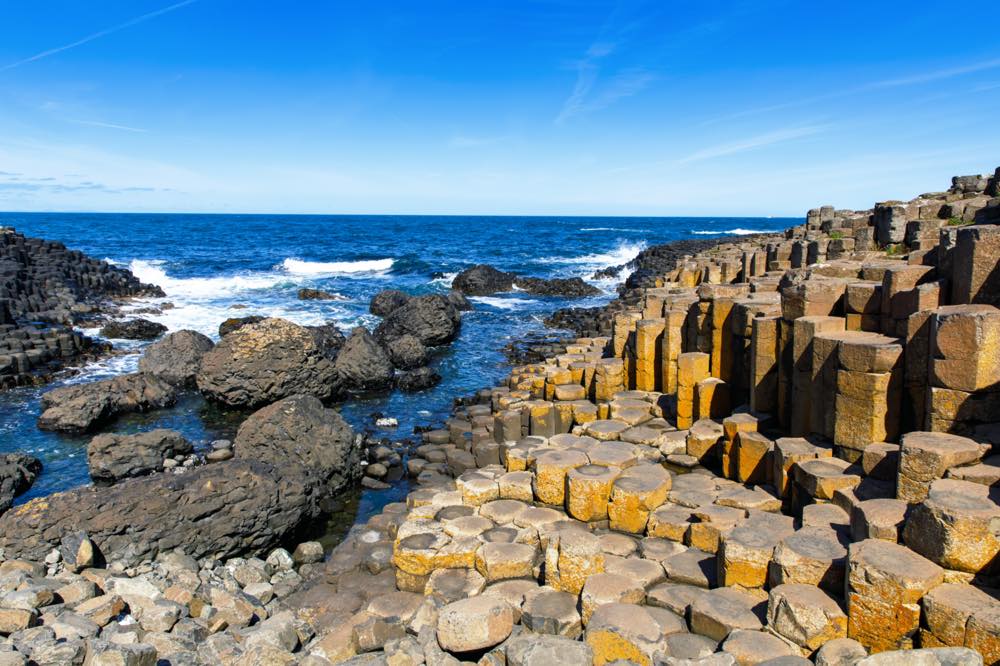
[{"x": 700, "y": 216}]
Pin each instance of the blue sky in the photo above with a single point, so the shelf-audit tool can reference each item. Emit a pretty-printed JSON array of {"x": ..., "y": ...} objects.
[{"x": 764, "y": 107}]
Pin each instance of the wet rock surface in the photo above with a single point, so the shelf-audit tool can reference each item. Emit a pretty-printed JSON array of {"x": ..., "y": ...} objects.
[{"x": 485, "y": 280}]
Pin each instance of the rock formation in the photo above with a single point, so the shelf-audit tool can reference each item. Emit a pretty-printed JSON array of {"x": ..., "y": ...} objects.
[
  {"x": 485, "y": 280},
  {"x": 176, "y": 358},
  {"x": 265, "y": 361},
  {"x": 112, "y": 458},
  {"x": 82, "y": 407}
]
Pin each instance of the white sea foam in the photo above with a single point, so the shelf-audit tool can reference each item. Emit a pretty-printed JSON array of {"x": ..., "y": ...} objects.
[
  {"x": 503, "y": 303},
  {"x": 622, "y": 254},
  {"x": 314, "y": 268},
  {"x": 445, "y": 279},
  {"x": 736, "y": 232},
  {"x": 152, "y": 272}
]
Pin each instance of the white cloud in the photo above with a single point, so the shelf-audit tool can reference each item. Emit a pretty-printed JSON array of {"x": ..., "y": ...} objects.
[{"x": 752, "y": 143}]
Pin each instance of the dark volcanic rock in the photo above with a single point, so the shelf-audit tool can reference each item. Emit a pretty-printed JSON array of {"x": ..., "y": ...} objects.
[
  {"x": 176, "y": 358},
  {"x": 306, "y": 294},
  {"x": 459, "y": 300},
  {"x": 266, "y": 361},
  {"x": 329, "y": 338},
  {"x": 223, "y": 509},
  {"x": 483, "y": 280},
  {"x": 407, "y": 352},
  {"x": 81, "y": 407},
  {"x": 363, "y": 364},
  {"x": 236, "y": 323},
  {"x": 565, "y": 287},
  {"x": 289, "y": 457},
  {"x": 301, "y": 437},
  {"x": 387, "y": 300},
  {"x": 433, "y": 320},
  {"x": 418, "y": 380},
  {"x": 17, "y": 472},
  {"x": 133, "y": 329},
  {"x": 115, "y": 457}
]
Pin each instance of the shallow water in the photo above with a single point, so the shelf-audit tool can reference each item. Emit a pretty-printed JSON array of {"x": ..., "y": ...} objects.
[{"x": 217, "y": 266}]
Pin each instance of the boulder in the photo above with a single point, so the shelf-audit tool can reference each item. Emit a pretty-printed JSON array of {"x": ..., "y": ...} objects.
[
  {"x": 418, "y": 380},
  {"x": 133, "y": 329},
  {"x": 407, "y": 352},
  {"x": 302, "y": 438},
  {"x": 266, "y": 361},
  {"x": 223, "y": 510},
  {"x": 306, "y": 294},
  {"x": 363, "y": 363},
  {"x": 484, "y": 280},
  {"x": 112, "y": 458},
  {"x": 17, "y": 472},
  {"x": 176, "y": 358},
  {"x": 459, "y": 300},
  {"x": 433, "y": 320},
  {"x": 81, "y": 407},
  {"x": 236, "y": 323},
  {"x": 387, "y": 300}
]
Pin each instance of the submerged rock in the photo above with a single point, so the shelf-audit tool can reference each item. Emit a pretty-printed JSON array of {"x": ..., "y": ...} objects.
[
  {"x": 363, "y": 364},
  {"x": 81, "y": 407},
  {"x": 17, "y": 472},
  {"x": 433, "y": 320},
  {"x": 115, "y": 457},
  {"x": 306, "y": 294},
  {"x": 177, "y": 357},
  {"x": 133, "y": 329},
  {"x": 266, "y": 361}
]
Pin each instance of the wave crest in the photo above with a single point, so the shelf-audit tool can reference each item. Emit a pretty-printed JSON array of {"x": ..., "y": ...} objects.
[
  {"x": 300, "y": 267},
  {"x": 735, "y": 232}
]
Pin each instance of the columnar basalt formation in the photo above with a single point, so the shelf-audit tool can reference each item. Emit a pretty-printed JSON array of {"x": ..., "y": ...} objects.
[
  {"x": 44, "y": 288},
  {"x": 780, "y": 448},
  {"x": 781, "y": 451}
]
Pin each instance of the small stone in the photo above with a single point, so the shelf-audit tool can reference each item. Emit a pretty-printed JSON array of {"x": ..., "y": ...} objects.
[{"x": 308, "y": 552}]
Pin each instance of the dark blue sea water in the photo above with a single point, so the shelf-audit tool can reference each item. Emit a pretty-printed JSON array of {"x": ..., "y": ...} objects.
[{"x": 217, "y": 266}]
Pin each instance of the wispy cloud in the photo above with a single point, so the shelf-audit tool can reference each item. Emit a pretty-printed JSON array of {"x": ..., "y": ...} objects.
[
  {"x": 936, "y": 75},
  {"x": 914, "y": 79},
  {"x": 752, "y": 143},
  {"x": 97, "y": 35},
  {"x": 97, "y": 123}
]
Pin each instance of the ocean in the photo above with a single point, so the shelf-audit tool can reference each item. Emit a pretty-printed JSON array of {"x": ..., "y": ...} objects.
[{"x": 213, "y": 267}]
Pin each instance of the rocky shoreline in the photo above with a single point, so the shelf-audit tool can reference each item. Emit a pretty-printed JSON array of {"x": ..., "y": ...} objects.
[{"x": 780, "y": 450}]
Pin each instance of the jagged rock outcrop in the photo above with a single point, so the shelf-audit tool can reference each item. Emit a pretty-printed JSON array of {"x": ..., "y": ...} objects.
[
  {"x": 266, "y": 361},
  {"x": 17, "y": 472},
  {"x": 363, "y": 364},
  {"x": 301, "y": 437},
  {"x": 484, "y": 280},
  {"x": 112, "y": 457},
  {"x": 133, "y": 329},
  {"x": 176, "y": 358},
  {"x": 82, "y": 407},
  {"x": 433, "y": 320},
  {"x": 387, "y": 300}
]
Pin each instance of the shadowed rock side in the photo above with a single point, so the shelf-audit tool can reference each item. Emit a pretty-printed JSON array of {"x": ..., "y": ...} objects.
[{"x": 17, "y": 472}]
